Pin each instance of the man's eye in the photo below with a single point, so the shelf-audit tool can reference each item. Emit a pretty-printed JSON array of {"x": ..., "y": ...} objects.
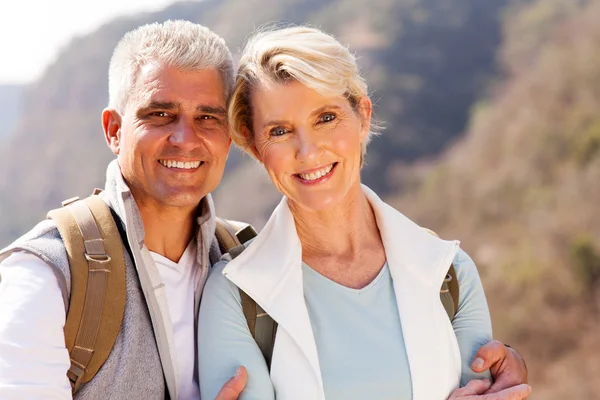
[
  {"x": 278, "y": 131},
  {"x": 206, "y": 117},
  {"x": 328, "y": 117},
  {"x": 160, "y": 114}
]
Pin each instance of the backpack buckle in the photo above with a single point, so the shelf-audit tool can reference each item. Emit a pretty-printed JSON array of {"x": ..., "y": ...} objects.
[
  {"x": 75, "y": 375},
  {"x": 98, "y": 258},
  {"x": 70, "y": 201}
]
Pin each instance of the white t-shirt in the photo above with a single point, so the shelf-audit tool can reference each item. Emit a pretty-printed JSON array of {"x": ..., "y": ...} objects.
[
  {"x": 179, "y": 280},
  {"x": 33, "y": 357}
]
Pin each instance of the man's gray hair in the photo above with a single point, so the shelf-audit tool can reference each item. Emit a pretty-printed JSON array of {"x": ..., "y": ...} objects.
[{"x": 181, "y": 44}]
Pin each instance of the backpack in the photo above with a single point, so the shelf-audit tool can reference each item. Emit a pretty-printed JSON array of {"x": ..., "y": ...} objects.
[
  {"x": 95, "y": 242},
  {"x": 263, "y": 328}
]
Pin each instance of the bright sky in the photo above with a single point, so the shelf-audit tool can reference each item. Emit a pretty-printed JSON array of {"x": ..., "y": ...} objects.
[{"x": 33, "y": 31}]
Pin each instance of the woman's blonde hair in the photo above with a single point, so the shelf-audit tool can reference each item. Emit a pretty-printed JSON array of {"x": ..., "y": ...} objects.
[{"x": 303, "y": 54}]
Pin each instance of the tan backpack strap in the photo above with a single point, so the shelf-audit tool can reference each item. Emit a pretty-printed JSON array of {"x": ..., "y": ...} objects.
[
  {"x": 226, "y": 236},
  {"x": 249, "y": 308},
  {"x": 262, "y": 327},
  {"x": 232, "y": 234},
  {"x": 449, "y": 293},
  {"x": 97, "y": 301}
]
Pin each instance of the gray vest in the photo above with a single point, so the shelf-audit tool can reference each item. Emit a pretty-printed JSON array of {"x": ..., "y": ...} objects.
[{"x": 133, "y": 369}]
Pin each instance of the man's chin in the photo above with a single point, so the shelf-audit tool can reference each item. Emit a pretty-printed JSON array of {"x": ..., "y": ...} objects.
[{"x": 184, "y": 199}]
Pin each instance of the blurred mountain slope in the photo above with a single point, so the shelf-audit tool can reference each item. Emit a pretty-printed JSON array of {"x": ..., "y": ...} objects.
[
  {"x": 426, "y": 61},
  {"x": 522, "y": 192},
  {"x": 10, "y": 106}
]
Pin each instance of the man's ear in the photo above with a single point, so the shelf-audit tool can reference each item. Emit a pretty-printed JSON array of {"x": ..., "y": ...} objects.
[
  {"x": 111, "y": 123},
  {"x": 365, "y": 110}
]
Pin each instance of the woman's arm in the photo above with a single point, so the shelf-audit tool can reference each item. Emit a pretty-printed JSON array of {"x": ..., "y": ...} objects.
[
  {"x": 225, "y": 342},
  {"x": 471, "y": 323}
]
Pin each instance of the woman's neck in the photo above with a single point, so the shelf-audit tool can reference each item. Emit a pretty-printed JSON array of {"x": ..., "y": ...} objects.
[{"x": 342, "y": 232}]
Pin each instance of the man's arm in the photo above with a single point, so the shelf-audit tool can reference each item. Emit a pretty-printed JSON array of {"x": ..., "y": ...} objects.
[
  {"x": 33, "y": 357},
  {"x": 506, "y": 365}
]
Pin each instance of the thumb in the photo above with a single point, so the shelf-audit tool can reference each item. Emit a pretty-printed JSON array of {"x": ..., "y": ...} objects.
[
  {"x": 474, "y": 387},
  {"x": 488, "y": 355},
  {"x": 234, "y": 386}
]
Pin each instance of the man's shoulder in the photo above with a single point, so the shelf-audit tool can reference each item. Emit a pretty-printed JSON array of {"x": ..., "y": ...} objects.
[
  {"x": 44, "y": 242},
  {"x": 44, "y": 234}
]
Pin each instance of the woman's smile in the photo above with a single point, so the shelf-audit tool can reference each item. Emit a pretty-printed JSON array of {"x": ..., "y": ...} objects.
[{"x": 316, "y": 176}]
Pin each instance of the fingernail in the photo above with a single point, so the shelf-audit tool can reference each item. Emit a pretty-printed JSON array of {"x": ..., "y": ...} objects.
[
  {"x": 478, "y": 363},
  {"x": 238, "y": 372}
]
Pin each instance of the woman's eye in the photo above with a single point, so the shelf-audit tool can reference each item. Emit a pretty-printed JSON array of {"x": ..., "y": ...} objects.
[
  {"x": 327, "y": 117},
  {"x": 278, "y": 131}
]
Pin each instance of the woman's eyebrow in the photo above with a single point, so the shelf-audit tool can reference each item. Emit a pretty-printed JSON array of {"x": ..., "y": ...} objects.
[{"x": 327, "y": 107}]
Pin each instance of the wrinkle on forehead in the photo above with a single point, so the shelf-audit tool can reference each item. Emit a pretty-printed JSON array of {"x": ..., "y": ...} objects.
[{"x": 156, "y": 84}]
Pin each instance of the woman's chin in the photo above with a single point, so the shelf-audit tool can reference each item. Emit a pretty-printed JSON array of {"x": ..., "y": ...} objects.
[{"x": 317, "y": 202}]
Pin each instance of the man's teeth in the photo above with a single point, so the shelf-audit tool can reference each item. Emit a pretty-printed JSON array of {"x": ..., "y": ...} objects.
[
  {"x": 180, "y": 164},
  {"x": 317, "y": 174}
]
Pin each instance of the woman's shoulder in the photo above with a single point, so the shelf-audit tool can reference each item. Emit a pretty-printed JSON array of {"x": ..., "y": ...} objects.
[
  {"x": 218, "y": 285},
  {"x": 466, "y": 274}
]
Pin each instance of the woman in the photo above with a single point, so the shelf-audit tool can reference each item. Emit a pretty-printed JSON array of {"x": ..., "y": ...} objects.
[{"x": 352, "y": 283}]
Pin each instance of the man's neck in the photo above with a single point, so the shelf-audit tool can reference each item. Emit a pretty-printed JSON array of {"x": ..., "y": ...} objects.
[{"x": 168, "y": 231}]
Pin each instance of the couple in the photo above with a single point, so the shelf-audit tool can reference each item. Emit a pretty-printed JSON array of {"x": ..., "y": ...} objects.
[{"x": 352, "y": 283}]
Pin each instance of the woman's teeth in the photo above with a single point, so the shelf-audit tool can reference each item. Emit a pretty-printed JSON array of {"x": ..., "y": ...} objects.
[{"x": 317, "y": 174}]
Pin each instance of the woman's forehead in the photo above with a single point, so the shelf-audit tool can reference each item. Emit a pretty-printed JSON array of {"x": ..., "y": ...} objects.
[{"x": 290, "y": 98}]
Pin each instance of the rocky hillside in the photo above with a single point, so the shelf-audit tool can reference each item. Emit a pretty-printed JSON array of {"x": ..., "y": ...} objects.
[{"x": 522, "y": 192}]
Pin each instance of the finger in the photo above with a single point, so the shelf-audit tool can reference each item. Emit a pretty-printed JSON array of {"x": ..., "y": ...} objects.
[
  {"x": 474, "y": 387},
  {"x": 234, "y": 386},
  {"x": 504, "y": 381},
  {"x": 488, "y": 355},
  {"x": 518, "y": 392}
]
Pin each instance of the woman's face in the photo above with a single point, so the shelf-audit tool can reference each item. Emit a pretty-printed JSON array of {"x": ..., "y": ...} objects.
[{"x": 310, "y": 144}]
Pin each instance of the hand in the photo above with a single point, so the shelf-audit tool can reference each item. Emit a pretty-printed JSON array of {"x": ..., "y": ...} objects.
[
  {"x": 476, "y": 389},
  {"x": 506, "y": 365},
  {"x": 234, "y": 386}
]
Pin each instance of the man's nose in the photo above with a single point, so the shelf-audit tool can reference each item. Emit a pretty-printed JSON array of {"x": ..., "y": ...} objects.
[{"x": 184, "y": 134}]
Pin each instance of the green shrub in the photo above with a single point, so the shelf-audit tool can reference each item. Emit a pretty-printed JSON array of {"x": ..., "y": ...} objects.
[
  {"x": 586, "y": 261},
  {"x": 587, "y": 146}
]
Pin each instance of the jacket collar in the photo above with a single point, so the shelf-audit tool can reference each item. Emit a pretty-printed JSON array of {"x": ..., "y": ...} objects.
[
  {"x": 270, "y": 272},
  {"x": 266, "y": 267}
]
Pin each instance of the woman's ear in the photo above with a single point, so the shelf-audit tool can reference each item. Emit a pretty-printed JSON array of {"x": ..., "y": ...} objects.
[
  {"x": 251, "y": 147},
  {"x": 365, "y": 109},
  {"x": 111, "y": 123}
]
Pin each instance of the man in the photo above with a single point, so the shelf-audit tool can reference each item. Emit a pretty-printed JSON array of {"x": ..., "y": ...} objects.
[{"x": 166, "y": 122}]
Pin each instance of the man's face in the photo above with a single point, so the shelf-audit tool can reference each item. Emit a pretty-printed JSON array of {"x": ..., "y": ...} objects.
[{"x": 173, "y": 139}]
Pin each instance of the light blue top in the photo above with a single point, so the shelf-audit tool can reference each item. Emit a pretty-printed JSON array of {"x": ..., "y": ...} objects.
[{"x": 358, "y": 335}]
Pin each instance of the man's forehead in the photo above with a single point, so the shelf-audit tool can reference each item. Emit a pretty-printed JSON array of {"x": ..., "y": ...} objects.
[{"x": 157, "y": 83}]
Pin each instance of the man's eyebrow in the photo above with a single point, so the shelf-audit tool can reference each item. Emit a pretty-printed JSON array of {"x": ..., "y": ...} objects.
[
  {"x": 211, "y": 110},
  {"x": 165, "y": 105},
  {"x": 156, "y": 105}
]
